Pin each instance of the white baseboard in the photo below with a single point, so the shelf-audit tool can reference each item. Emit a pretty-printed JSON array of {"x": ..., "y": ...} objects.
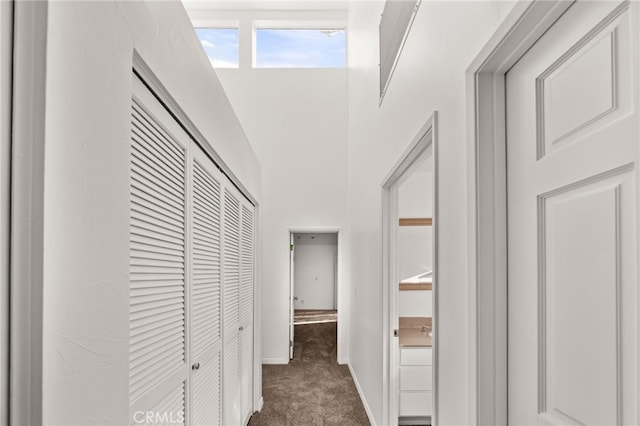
[
  {"x": 343, "y": 361},
  {"x": 362, "y": 398},
  {"x": 276, "y": 361},
  {"x": 260, "y": 404}
]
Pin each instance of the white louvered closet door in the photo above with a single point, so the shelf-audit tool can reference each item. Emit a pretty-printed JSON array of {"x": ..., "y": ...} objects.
[
  {"x": 246, "y": 305},
  {"x": 231, "y": 306},
  {"x": 158, "y": 368},
  {"x": 191, "y": 279},
  {"x": 206, "y": 293}
]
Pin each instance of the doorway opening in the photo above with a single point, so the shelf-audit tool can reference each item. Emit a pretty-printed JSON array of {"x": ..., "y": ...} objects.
[
  {"x": 409, "y": 212},
  {"x": 313, "y": 281}
]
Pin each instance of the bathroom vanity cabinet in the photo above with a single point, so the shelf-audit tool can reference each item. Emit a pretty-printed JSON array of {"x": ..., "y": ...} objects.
[{"x": 416, "y": 381}]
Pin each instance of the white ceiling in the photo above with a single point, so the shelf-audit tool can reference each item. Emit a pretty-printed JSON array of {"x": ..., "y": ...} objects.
[{"x": 265, "y": 4}]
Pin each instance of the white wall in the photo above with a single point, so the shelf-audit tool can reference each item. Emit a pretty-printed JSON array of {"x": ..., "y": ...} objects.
[
  {"x": 296, "y": 120},
  {"x": 415, "y": 243},
  {"x": 86, "y": 233},
  {"x": 430, "y": 76},
  {"x": 415, "y": 195},
  {"x": 415, "y": 303},
  {"x": 315, "y": 271}
]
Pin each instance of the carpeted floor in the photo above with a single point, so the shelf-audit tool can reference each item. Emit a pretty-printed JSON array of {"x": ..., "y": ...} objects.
[{"x": 312, "y": 389}]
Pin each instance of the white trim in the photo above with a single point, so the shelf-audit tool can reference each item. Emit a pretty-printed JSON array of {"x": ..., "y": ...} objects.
[
  {"x": 384, "y": 88},
  {"x": 275, "y": 361},
  {"x": 6, "y": 64},
  {"x": 367, "y": 409},
  {"x": 226, "y": 24},
  {"x": 276, "y": 6},
  {"x": 487, "y": 203},
  {"x": 27, "y": 212},
  {"x": 299, "y": 24},
  {"x": 422, "y": 146},
  {"x": 343, "y": 317},
  {"x": 257, "y": 314}
]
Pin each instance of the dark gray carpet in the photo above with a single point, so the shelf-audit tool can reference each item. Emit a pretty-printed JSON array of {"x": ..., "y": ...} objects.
[{"x": 313, "y": 389}]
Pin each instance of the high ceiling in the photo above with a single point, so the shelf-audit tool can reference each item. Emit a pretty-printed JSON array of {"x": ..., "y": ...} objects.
[{"x": 265, "y": 4}]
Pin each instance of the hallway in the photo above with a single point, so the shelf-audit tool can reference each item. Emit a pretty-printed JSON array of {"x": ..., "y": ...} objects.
[
  {"x": 313, "y": 389},
  {"x": 151, "y": 181}
]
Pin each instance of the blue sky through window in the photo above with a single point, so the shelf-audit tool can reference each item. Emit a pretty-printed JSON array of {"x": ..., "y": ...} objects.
[
  {"x": 221, "y": 46},
  {"x": 300, "y": 48}
]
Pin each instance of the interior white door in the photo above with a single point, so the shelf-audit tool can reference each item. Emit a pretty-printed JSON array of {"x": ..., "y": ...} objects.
[
  {"x": 206, "y": 298},
  {"x": 158, "y": 352},
  {"x": 246, "y": 307},
  {"x": 231, "y": 307},
  {"x": 572, "y": 142},
  {"x": 291, "y": 292},
  {"x": 191, "y": 279}
]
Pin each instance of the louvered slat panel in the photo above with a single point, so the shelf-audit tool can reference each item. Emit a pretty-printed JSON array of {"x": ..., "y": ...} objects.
[
  {"x": 157, "y": 260},
  {"x": 232, "y": 381},
  {"x": 169, "y": 411},
  {"x": 206, "y": 300},
  {"x": 231, "y": 262},
  {"x": 207, "y": 403},
  {"x": 246, "y": 266}
]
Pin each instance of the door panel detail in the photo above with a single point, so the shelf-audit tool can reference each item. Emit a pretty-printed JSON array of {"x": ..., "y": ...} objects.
[
  {"x": 585, "y": 85},
  {"x": 579, "y": 226}
]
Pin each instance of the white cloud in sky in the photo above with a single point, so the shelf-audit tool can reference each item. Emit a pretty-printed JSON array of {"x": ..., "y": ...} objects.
[
  {"x": 207, "y": 43},
  {"x": 303, "y": 48}
]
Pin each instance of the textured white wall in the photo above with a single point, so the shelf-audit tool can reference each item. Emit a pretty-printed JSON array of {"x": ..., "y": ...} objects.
[
  {"x": 296, "y": 120},
  {"x": 418, "y": 303},
  {"x": 86, "y": 233},
  {"x": 430, "y": 76},
  {"x": 315, "y": 271}
]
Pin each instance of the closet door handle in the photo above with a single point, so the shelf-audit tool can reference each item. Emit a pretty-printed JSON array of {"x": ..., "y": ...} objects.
[{"x": 195, "y": 366}]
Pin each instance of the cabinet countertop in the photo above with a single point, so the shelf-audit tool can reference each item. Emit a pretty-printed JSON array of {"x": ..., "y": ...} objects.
[{"x": 414, "y": 337}]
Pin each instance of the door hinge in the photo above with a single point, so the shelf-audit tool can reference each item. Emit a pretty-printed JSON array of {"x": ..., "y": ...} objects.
[
  {"x": 290, "y": 343},
  {"x": 290, "y": 247}
]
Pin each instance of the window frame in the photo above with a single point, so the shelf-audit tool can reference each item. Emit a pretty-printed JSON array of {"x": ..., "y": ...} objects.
[
  {"x": 297, "y": 24},
  {"x": 220, "y": 25}
]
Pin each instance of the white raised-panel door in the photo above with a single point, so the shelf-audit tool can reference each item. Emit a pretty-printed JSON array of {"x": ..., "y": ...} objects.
[
  {"x": 232, "y": 399},
  {"x": 158, "y": 367},
  {"x": 206, "y": 292},
  {"x": 246, "y": 307},
  {"x": 572, "y": 154}
]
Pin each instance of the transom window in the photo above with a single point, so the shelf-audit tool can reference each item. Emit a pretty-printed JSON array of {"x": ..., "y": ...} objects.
[
  {"x": 300, "y": 48},
  {"x": 221, "y": 46}
]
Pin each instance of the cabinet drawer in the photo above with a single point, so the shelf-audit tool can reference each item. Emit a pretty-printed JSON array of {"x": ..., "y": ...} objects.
[
  {"x": 416, "y": 378},
  {"x": 416, "y": 356},
  {"x": 416, "y": 403}
]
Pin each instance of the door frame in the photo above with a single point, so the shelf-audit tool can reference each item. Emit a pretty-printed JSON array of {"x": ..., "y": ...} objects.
[
  {"x": 424, "y": 145},
  {"x": 487, "y": 201},
  {"x": 343, "y": 326},
  {"x": 27, "y": 212},
  {"x": 6, "y": 64}
]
